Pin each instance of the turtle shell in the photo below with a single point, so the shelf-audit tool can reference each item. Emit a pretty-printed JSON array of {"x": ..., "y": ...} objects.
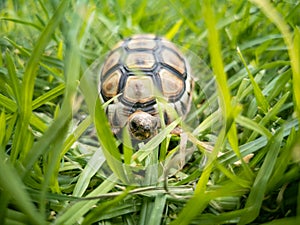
[{"x": 137, "y": 72}]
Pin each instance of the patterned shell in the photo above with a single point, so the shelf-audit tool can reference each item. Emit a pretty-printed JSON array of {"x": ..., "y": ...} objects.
[{"x": 137, "y": 72}]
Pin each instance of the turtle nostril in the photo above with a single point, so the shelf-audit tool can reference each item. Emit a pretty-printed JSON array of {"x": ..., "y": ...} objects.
[{"x": 147, "y": 128}]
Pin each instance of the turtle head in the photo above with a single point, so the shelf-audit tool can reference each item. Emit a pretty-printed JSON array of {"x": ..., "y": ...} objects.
[{"x": 142, "y": 125}]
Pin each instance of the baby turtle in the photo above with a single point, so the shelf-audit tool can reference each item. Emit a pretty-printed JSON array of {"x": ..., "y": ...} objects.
[{"x": 138, "y": 72}]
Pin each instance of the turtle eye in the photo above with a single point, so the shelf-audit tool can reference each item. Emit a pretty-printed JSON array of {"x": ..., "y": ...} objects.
[{"x": 133, "y": 124}]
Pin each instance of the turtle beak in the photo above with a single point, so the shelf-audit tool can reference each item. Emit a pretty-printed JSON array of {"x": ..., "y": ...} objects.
[{"x": 142, "y": 125}]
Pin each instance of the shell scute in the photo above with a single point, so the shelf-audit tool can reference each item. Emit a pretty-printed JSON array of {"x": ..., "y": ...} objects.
[{"x": 142, "y": 69}]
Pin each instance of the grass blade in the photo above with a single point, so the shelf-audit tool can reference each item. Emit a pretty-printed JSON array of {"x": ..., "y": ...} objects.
[
  {"x": 190, "y": 211},
  {"x": 260, "y": 98},
  {"x": 77, "y": 210},
  {"x": 157, "y": 210},
  {"x": 257, "y": 192},
  {"x": 295, "y": 62},
  {"x": 47, "y": 97},
  {"x": 228, "y": 109},
  {"x": 285, "y": 221},
  {"x": 15, "y": 83},
  {"x": 108, "y": 142},
  {"x": 172, "y": 32},
  {"x": 25, "y": 109},
  {"x": 284, "y": 156},
  {"x": 2, "y": 129},
  {"x": 293, "y": 45},
  {"x": 22, "y": 22},
  {"x": 200, "y": 198},
  {"x": 89, "y": 171},
  {"x": 7, "y": 103},
  {"x": 252, "y": 125},
  {"x": 102, "y": 208},
  {"x": 147, "y": 149},
  {"x": 238, "y": 110},
  {"x": 271, "y": 114},
  {"x": 13, "y": 186}
]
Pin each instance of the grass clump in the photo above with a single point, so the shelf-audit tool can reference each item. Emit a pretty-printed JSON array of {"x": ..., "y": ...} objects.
[{"x": 60, "y": 163}]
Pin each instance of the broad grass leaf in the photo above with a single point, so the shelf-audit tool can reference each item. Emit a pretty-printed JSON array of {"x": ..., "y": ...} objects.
[
  {"x": 108, "y": 142},
  {"x": 7, "y": 103},
  {"x": 88, "y": 172}
]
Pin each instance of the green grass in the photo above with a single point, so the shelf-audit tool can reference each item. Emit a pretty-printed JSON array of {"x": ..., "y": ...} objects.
[{"x": 60, "y": 163}]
